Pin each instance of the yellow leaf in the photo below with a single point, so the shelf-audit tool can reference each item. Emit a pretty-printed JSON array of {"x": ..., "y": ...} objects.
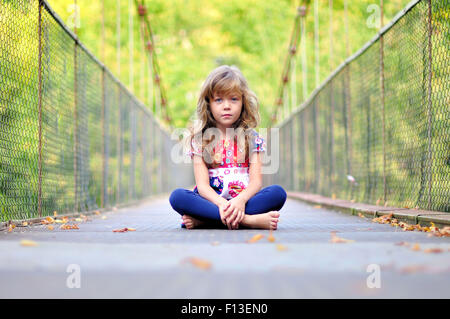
[
  {"x": 11, "y": 227},
  {"x": 281, "y": 247},
  {"x": 271, "y": 238},
  {"x": 25, "y": 224},
  {"x": 333, "y": 196},
  {"x": 97, "y": 212},
  {"x": 361, "y": 215},
  {"x": 47, "y": 220},
  {"x": 336, "y": 239},
  {"x": 50, "y": 227},
  {"x": 66, "y": 226},
  {"x": 317, "y": 206},
  {"x": 255, "y": 238},
  {"x": 416, "y": 247},
  {"x": 28, "y": 243},
  {"x": 55, "y": 214},
  {"x": 199, "y": 263}
]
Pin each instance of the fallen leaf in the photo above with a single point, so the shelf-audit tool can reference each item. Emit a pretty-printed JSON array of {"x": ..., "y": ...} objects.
[
  {"x": 25, "y": 224},
  {"x": 55, "y": 214},
  {"x": 361, "y": 215},
  {"x": 333, "y": 196},
  {"x": 336, "y": 239},
  {"x": 317, "y": 206},
  {"x": 255, "y": 238},
  {"x": 50, "y": 227},
  {"x": 199, "y": 263},
  {"x": 97, "y": 212},
  {"x": 416, "y": 247},
  {"x": 281, "y": 247},
  {"x": 47, "y": 220},
  {"x": 402, "y": 243},
  {"x": 28, "y": 243},
  {"x": 123, "y": 230},
  {"x": 271, "y": 238},
  {"x": 11, "y": 227},
  {"x": 66, "y": 226}
]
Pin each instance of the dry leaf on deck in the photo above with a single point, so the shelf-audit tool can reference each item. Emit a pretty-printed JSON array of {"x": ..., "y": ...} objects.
[
  {"x": 336, "y": 239},
  {"x": 255, "y": 238},
  {"x": 199, "y": 263},
  {"x": 416, "y": 247},
  {"x": 402, "y": 243},
  {"x": 123, "y": 230},
  {"x": 47, "y": 220},
  {"x": 271, "y": 238},
  {"x": 65, "y": 227},
  {"x": 28, "y": 243},
  {"x": 281, "y": 247}
]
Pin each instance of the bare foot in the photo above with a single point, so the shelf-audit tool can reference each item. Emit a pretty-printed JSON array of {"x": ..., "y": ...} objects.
[
  {"x": 191, "y": 222},
  {"x": 267, "y": 220}
]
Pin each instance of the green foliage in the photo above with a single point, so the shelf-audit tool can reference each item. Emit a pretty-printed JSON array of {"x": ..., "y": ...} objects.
[{"x": 193, "y": 37}]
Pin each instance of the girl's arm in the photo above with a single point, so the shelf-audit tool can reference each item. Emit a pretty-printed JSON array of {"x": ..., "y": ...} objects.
[
  {"x": 202, "y": 180},
  {"x": 255, "y": 178}
]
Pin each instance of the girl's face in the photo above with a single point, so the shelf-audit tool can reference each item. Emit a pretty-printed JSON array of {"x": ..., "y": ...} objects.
[{"x": 226, "y": 109}]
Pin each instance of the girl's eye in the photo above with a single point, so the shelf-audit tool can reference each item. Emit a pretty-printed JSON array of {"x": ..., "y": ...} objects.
[{"x": 217, "y": 100}]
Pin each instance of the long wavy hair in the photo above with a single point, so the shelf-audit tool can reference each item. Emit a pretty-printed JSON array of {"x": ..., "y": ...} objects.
[{"x": 224, "y": 80}]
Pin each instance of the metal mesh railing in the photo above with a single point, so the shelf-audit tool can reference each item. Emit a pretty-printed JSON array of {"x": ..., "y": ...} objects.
[
  {"x": 378, "y": 129},
  {"x": 72, "y": 137}
]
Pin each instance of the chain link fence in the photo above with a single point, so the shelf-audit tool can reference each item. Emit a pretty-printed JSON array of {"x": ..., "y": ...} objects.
[
  {"x": 377, "y": 130},
  {"x": 72, "y": 137}
]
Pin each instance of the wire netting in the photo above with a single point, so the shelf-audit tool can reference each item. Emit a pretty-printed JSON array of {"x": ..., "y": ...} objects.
[
  {"x": 72, "y": 137},
  {"x": 378, "y": 130}
]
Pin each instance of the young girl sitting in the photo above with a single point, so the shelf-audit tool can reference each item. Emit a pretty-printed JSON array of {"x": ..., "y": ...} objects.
[{"x": 227, "y": 169}]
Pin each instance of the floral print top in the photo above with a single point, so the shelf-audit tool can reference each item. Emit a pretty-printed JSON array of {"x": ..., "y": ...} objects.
[{"x": 231, "y": 177}]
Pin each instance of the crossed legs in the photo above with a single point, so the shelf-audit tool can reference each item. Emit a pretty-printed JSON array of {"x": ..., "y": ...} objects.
[{"x": 261, "y": 211}]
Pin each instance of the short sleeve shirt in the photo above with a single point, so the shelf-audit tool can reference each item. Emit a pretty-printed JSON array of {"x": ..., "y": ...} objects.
[{"x": 230, "y": 177}]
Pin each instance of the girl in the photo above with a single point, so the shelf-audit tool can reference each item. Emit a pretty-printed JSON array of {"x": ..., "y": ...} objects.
[{"x": 228, "y": 177}]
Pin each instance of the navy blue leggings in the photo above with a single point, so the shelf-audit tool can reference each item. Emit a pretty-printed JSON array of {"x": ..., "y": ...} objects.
[{"x": 189, "y": 202}]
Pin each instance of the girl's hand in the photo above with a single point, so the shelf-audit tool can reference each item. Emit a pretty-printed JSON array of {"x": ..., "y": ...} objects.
[
  {"x": 222, "y": 206},
  {"x": 235, "y": 212}
]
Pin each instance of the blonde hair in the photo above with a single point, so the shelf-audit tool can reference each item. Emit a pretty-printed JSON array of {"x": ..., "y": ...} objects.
[{"x": 224, "y": 80}]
